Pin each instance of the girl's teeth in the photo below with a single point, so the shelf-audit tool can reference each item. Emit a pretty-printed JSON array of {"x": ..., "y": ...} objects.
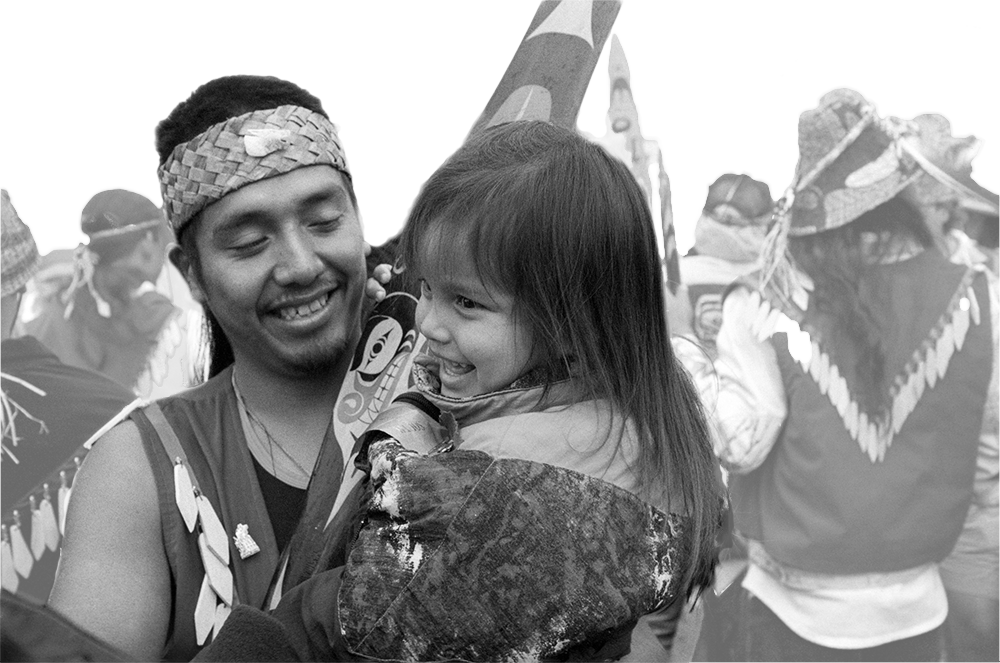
[{"x": 454, "y": 368}]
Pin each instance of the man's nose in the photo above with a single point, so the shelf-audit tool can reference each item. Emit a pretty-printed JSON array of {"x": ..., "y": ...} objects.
[{"x": 298, "y": 263}]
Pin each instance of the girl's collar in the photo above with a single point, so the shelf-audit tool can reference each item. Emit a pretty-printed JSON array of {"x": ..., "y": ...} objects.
[{"x": 535, "y": 391}]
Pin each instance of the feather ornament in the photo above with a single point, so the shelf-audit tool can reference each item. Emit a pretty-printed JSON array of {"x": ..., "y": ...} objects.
[
  {"x": 930, "y": 366},
  {"x": 184, "y": 495},
  {"x": 960, "y": 322},
  {"x": 973, "y": 306},
  {"x": 824, "y": 373},
  {"x": 62, "y": 497},
  {"x": 794, "y": 340},
  {"x": 805, "y": 352},
  {"x": 8, "y": 576},
  {"x": 851, "y": 418},
  {"x": 37, "y": 533},
  {"x": 23, "y": 561},
  {"x": 215, "y": 533},
  {"x": 770, "y": 323},
  {"x": 800, "y": 297},
  {"x": 217, "y": 572},
  {"x": 204, "y": 612},
  {"x": 49, "y": 524},
  {"x": 221, "y": 615}
]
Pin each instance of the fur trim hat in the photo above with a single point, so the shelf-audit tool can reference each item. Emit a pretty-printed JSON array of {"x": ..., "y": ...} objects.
[
  {"x": 19, "y": 254},
  {"x": 849, "y": 163}
]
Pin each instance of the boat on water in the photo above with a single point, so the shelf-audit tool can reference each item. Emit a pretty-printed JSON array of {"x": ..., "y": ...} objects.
[{"x": 57, "y": 162}]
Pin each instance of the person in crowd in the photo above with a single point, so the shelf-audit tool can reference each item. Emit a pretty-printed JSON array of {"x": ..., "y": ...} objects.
[
  {"x": 547, "y": 403},
  {"x": 956, "y": 207},
  {"x": 981, "y": 223},
  {"x": 854, "y": 371},
  {"x": 971, "y": 573},
  {"x": 55, "y": 273},
  {"x": 729, "y": 236},
  {"x": 186, "y": 506},
  {"x": 105, "y": 315},
  {"x": 49, "y": 411},
  {"x": 728, "y": 239}
]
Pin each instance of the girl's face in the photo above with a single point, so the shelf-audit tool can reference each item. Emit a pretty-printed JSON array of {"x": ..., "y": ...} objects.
[{"x": 472, "y": 331}]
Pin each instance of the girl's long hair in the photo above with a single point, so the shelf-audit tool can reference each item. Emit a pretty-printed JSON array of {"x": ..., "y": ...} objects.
[
  {"x": 561, "y": 226},
  {"x": 840, "y": 262}
]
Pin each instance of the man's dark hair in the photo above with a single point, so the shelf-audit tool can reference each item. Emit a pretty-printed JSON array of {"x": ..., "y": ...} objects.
[{"x": 218, "y": 100}]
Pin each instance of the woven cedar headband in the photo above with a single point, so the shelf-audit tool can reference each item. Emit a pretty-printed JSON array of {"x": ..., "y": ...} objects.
[{"x": 242, "y": 150}]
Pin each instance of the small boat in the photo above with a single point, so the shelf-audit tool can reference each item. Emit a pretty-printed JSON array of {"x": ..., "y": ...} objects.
[{"x": 58, "y": 163}]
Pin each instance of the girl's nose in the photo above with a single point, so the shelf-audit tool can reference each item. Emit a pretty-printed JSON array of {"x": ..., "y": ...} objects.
[{"x": 429, "y": 320}]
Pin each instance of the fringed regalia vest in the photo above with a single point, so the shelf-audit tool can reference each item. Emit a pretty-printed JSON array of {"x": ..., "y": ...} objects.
[{"x": 845, "y": 490}]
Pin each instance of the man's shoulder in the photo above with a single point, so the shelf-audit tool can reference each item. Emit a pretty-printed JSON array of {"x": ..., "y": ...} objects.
[{"x": 212, "y": 389}]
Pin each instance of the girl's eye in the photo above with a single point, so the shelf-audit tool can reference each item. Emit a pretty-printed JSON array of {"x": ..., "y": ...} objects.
[{"x": 465, "y": 302}]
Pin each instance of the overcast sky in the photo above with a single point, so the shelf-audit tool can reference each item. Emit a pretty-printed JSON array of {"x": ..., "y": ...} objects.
[{"x": 720, "y": 85}]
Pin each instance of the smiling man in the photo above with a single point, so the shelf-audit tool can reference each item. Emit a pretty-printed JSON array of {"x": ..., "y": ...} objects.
[{"x": 186, "y": 508}]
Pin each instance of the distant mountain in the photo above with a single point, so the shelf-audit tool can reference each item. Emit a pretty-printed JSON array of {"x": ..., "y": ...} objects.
[
  {"x": 33, "y": 122},
  {"x": 951, "y": 63}
]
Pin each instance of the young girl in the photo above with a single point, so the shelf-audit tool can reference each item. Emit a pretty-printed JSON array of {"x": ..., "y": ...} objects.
[{"x": 549, "y": 479}]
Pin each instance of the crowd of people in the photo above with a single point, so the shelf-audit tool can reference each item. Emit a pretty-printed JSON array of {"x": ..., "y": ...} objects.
[{"x": 499, "y": 435}]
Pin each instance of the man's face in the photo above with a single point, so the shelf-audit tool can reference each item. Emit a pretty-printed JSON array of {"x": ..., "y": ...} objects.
[
  {"x": 283, "y": 269},
  {"x": 143, "y": 263}
]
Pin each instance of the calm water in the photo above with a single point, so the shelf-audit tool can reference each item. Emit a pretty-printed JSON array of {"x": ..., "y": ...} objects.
[{"x": 51, "y": 208}]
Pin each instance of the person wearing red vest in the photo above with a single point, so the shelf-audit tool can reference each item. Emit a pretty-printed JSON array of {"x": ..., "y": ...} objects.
[{"x": 853, "y": 374}]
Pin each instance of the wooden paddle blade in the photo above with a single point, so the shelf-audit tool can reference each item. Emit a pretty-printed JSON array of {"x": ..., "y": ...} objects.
[
  {"x": 549, "y": 73},
  {"x": 673, "y": 261},
  {"x": 624, "y": 124}
]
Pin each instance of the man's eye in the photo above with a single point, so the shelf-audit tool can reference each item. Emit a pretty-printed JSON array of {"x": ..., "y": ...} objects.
[
  {"x": 248, "y": 244},
  {"x": 326, "y": 224}
]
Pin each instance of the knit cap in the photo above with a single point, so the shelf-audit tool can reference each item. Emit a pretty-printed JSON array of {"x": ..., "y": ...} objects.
[{"x": 19, "y": 254}]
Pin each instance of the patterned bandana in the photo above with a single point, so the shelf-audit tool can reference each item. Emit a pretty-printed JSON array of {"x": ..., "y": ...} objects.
[{"x": 243, "y": 150}]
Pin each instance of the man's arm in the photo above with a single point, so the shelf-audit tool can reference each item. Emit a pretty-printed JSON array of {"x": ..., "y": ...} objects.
[{"x": 113, "y": 578}]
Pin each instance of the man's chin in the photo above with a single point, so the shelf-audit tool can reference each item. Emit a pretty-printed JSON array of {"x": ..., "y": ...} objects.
[{"x": 318, "y": 360}]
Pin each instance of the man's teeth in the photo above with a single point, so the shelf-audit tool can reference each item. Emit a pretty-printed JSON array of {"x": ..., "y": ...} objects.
[{"x": 293, "y": 312}]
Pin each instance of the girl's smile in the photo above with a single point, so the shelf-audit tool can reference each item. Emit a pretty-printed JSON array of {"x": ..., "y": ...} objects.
[{"x": 480, "y": 344}]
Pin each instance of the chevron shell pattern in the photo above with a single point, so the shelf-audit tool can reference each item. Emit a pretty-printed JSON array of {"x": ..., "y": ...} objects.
[{"x": 926, "y": 366}]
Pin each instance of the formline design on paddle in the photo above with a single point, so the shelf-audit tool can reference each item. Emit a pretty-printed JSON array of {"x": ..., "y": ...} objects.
[
  {"x": 928, "y": 362},
  {"x": 552, "y": 66}
]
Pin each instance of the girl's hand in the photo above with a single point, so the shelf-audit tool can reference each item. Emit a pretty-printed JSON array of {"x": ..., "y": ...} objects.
[{"x": 380, "y": 276}]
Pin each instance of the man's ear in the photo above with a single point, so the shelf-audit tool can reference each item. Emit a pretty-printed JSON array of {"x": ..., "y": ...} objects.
[{"x": 183, "y": 263}]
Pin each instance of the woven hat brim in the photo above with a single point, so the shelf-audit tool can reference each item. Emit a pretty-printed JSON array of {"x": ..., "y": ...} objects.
[{"x": 845, "y": 205}]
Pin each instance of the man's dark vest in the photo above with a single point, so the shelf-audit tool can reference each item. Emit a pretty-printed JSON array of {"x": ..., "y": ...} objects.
[{"x": 840, "y": 495}]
